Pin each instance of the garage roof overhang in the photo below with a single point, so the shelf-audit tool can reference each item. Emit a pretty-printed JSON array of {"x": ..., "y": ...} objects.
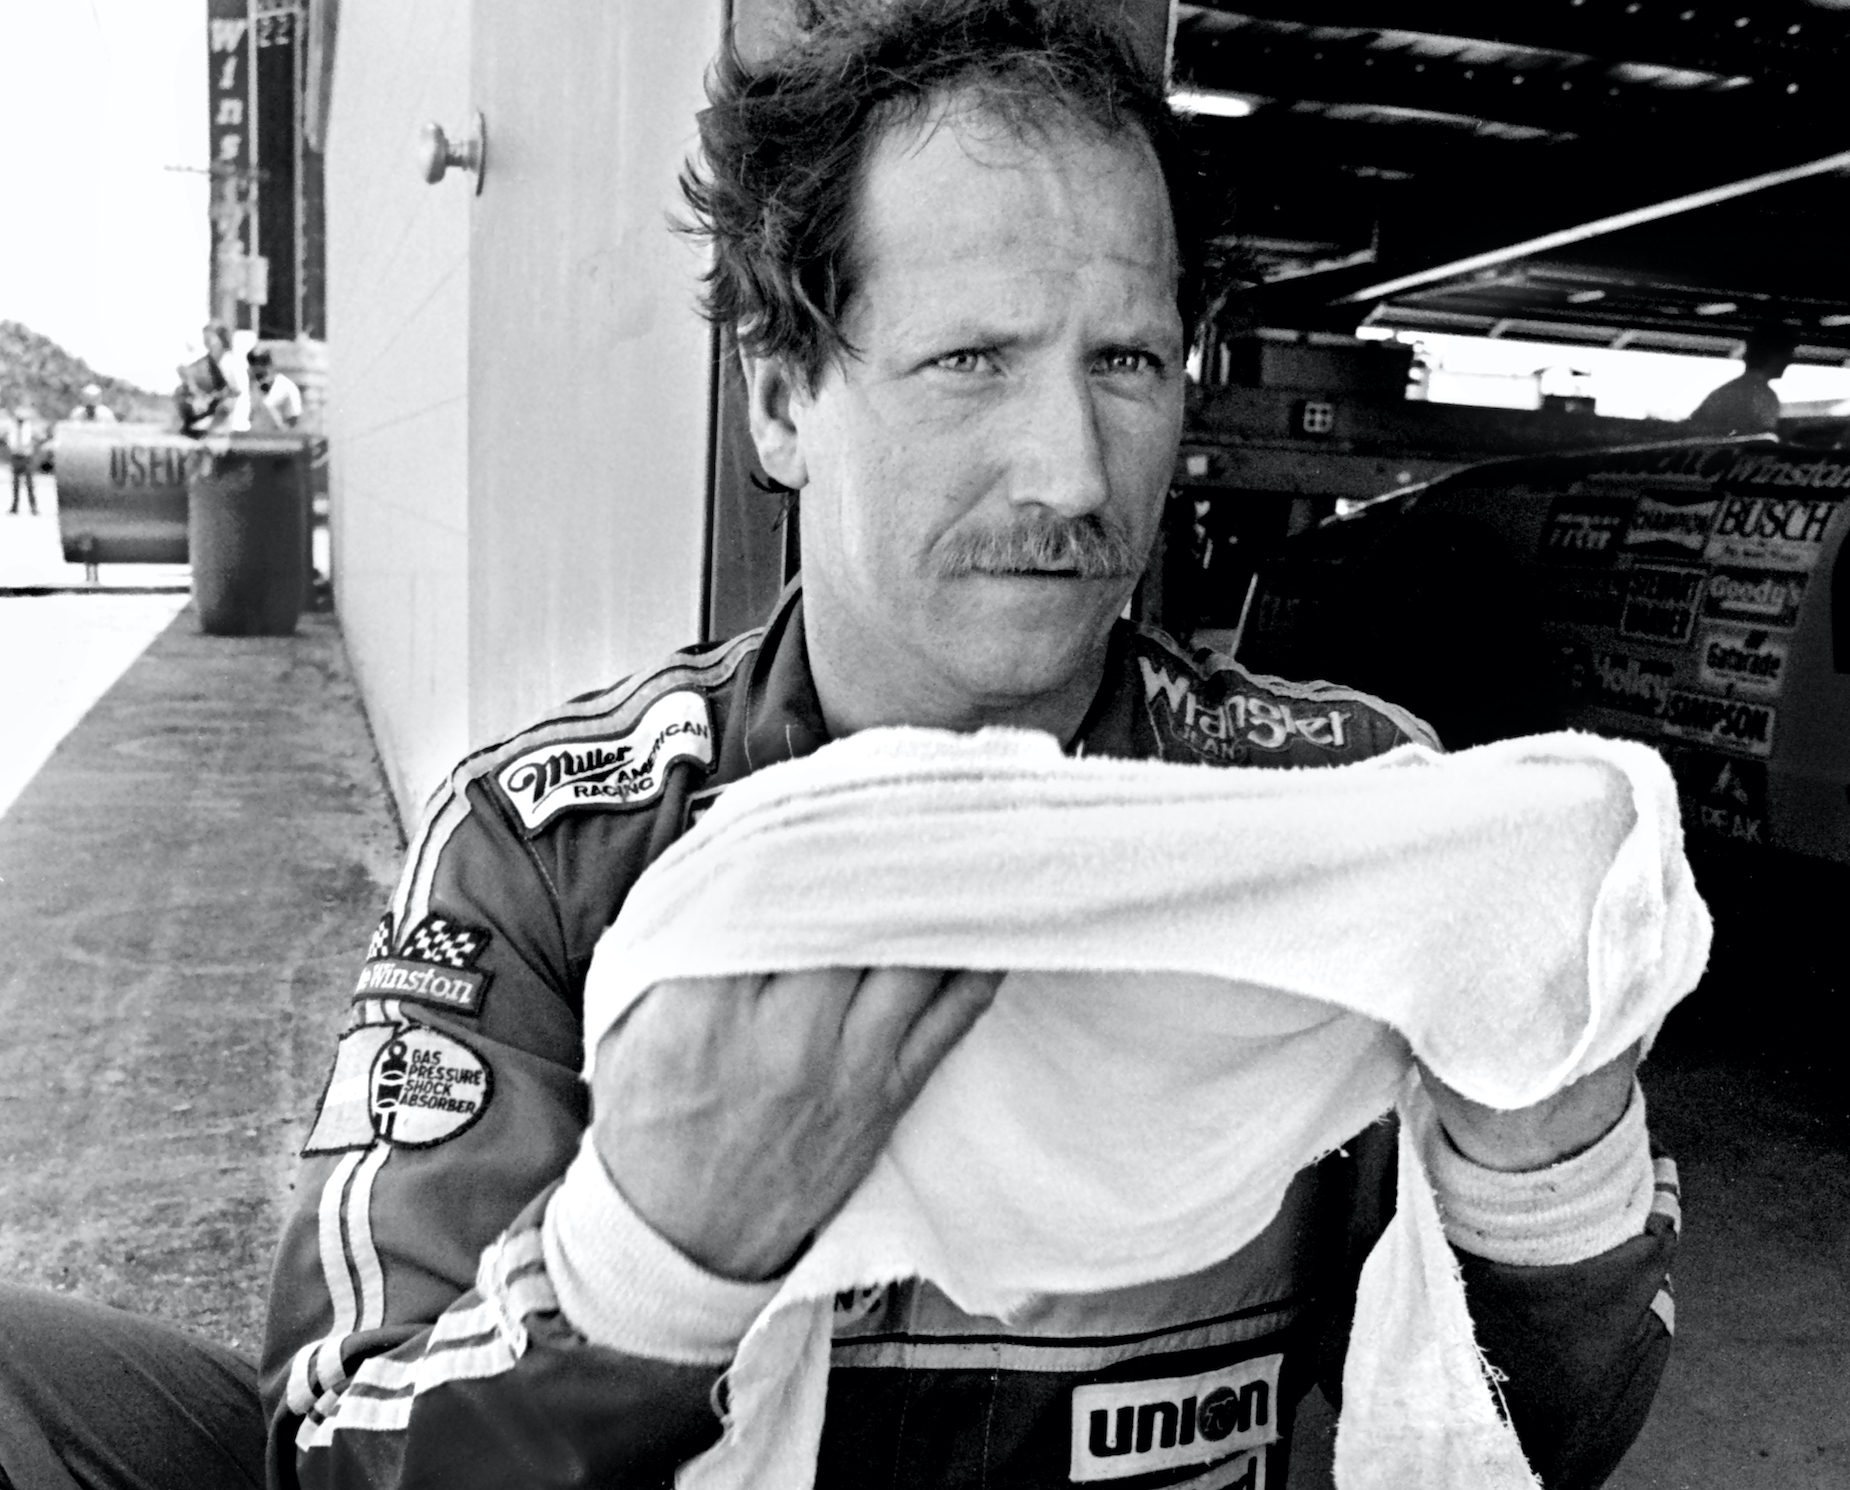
[{"x": 1668, "y": 174}]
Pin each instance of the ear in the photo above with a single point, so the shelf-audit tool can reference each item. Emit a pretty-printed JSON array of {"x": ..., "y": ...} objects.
[{"x": 773, "y": 389}]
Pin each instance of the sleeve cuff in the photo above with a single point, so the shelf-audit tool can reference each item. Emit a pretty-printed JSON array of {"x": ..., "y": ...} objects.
[
  {"x": 623, "y": 1285},
  {"x": 1565, "y": 1213}
]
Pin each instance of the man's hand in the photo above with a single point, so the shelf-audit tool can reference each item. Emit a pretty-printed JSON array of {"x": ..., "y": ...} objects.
[
  {"x": 738, "y": 1114},
  {"x": 1557, "y": 1128}
]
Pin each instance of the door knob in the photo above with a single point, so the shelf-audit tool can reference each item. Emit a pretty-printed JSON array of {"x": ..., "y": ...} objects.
[{"x": 437, "y": 152}]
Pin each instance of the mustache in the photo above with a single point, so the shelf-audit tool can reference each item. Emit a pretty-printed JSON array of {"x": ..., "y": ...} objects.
[{"x": 1090, "y": 547}]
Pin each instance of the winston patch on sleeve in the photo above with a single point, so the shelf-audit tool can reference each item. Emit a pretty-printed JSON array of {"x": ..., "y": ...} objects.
[
  {"x": 612, "y": 774},
  {"x": 435, "y": 965}
]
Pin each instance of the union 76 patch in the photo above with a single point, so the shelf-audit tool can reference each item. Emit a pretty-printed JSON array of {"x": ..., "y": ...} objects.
[{"x": 614, "y": 773}]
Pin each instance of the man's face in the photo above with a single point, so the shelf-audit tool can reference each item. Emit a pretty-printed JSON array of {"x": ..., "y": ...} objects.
[{"x": 981, "y": 486}]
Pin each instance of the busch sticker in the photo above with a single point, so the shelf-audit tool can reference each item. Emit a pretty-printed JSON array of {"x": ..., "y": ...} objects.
[
  {"x": 436, "y": 965},
  {"x": 1670, "y": 528},
  {"x": 1758, "y": 598},
  {"x": 1728, "y": 722},
  {"x": 1738, "y": 660},
  {"x": 1660, "y": 603},
  {"x": 627, "y": 771},
  {"x": 1771, "y": 532},
  {"x": 1221, "y": 730},
  {"x": 1123, "y": 1428},
  {"x": 1583, "y": 529},
  {"x": 399, "y": 1083}
]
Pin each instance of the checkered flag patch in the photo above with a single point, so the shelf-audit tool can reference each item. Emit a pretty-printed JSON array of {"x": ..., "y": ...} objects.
[
  {"x": 381, "y": 944},
  {"x": 445, "y": 943}
]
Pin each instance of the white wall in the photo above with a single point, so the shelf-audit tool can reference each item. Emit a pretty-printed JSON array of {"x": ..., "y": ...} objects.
[
  {"x": 590, "y": 364},
  {"x": 398, "y": 410}
]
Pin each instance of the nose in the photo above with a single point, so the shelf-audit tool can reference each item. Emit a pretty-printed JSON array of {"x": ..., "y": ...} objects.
[{"x": 1058, "y": 454}]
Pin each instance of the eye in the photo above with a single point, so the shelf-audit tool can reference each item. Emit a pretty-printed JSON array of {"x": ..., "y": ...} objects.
[
  {"x": 1129, "y": 360},
  {"x": 964, "y": 360}
]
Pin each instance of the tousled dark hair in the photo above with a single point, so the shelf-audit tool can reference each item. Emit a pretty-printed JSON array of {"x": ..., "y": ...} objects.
[{"x": 775, "y": 187}]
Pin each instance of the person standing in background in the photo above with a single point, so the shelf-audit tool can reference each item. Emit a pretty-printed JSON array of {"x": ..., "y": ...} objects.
[
  {"x": 275, "y": 401},
  {"x": 1747, "y": 405},
  {"x": 22, "y": 443},
  {"x": 92, "y": 409}
]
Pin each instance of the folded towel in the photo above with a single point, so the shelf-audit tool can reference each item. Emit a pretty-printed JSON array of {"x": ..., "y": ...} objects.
[{"x": 1217, "y": 977}]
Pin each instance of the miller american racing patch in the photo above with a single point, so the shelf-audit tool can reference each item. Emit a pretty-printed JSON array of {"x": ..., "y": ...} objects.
[
  {"x": 435, "y": 965},
  {"x": 617, "y": 773},
  {"x": 402, "y": 1083}
]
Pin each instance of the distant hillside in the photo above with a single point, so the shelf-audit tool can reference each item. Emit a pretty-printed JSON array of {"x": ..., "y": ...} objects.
[{"x": 35, "y": 370}]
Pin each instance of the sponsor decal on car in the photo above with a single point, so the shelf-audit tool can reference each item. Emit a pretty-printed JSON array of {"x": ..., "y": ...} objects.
[
  {"x": 1587, "y": 597},
  {"x": 1822, "y": 474},
  {"x": 1671, "y": 527},
  {"x": 1755, "y": 596},
  {"x": 435, "y": 965},
  {"x": 1220, "y": 729},
  {"x": 1636, "y": 685},
  {"x": 1660, "y": 603},
  {"x": 1736, "y": 723},
  {"x": 1727, "y": 796},
  {"x": 1739, "y": 659},
  {"x": 1771, "y": 532},
  {"x": 1584, "y": 528},
  {"x": 399, "y": 1082},
  {"x": 1124, "y": 1428},
  {"x": 620, "y": 772}
]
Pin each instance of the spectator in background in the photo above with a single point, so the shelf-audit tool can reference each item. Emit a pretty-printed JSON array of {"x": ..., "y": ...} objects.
[
  {"x": 1747, "y": 405},
  {"x": 276, "y": 402},
  {"x": 22, "y": 443},
  {"x": 232, "y": 409},
  {"x": 92, "y": 409}
]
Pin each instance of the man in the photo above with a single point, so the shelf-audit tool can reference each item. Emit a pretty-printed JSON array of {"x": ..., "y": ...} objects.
[
  {"x": 1747, "y": 405},
  {"x": 92, "y": 410},
  {"x": 22, "y": 443},
  {"x": 276, "y": 401},
  {"x": 946, "y": 236}
]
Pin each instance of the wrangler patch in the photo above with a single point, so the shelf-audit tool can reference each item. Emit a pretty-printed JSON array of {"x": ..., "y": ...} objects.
[
  {"x": 1123, "y": 1428},
  {"x": 1220, "y": 730},
  {"x": 611, "y": 774}
]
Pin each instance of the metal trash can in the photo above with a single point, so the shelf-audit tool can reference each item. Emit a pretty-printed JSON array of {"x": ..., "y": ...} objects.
[{"x": 247, "y": 517}]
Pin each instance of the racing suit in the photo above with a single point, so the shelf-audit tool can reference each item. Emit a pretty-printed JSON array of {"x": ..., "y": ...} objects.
[{"x": 422, "y": 1326}]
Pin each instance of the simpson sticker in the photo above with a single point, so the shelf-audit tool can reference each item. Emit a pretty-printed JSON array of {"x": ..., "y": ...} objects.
[
  {"x": 1730, "y": 722},
  {"x": 1583, "y": 528},
  {"x": 1748, "y": 595},
  {"x": 1221, "y": 730},
  {"x": 613, "y": 774},
  {"x": 402, "y": 1083},
  {"x": 436, "y": 966},
  {"x": 1738, "y": 660},
  {"x": 1671, "y": 527},
  {"x": 1660, "y": 603},
  {"x": 1124, "y": 1428},
  {"x": 1763, "y": 532}
]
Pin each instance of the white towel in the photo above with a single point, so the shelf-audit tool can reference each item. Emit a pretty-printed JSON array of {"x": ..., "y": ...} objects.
[{"x": 1217, "y": 978}]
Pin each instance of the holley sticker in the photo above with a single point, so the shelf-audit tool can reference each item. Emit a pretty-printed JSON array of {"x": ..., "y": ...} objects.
[{"x": 617, "y": 772}]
